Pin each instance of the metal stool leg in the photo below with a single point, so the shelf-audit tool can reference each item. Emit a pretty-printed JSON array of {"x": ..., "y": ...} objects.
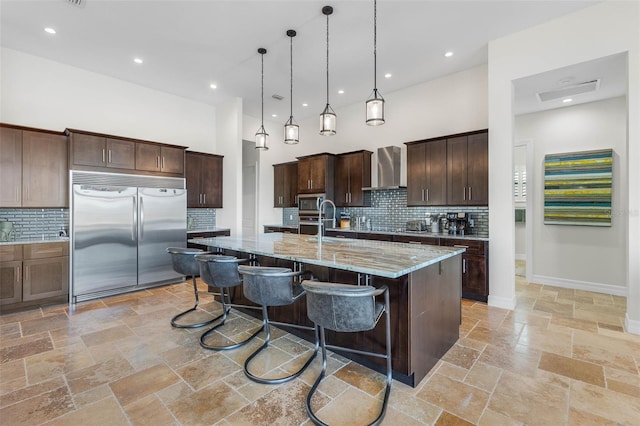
[
  {"x": 267, "y": 326},
  {"x": 312, "y": 415},
  {"x": 174, "y": 320}
]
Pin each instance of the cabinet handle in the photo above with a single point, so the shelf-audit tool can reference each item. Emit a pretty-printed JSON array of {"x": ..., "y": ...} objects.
[
  {"x": 469, "y": 193},
  {"x": 163, "y": 161},
  {"x": 109, "y": 156},
  {"x": 204, "y": 198},
  {"x": 158, "y": 162},
  {"x": 464, "y": 193},
  {"x": 26, "y": 273},
  {"x": 103, "y": 155},
  {"x": 427, "y": 194},
  {"x": 346, "y": 197},
  {"x": 415, "y": 242},
  {"x": 461, "y": 246},
  {"x": 422, "y": 194},
  {"x": 18, "y": 274},
  {"x": 464, "y": 266}
]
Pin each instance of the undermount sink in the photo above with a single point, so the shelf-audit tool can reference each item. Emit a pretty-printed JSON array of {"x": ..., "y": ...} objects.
[{"x": 324, "y": 240}]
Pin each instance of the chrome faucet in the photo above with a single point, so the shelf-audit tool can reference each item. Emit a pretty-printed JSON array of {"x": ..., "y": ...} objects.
[{"x": 320, "y": 224}]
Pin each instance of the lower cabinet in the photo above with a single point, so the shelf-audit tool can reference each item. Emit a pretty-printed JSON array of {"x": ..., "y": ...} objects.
[
  {"x": 33, "y": 272},
  {"x": 284, "y": 229}
]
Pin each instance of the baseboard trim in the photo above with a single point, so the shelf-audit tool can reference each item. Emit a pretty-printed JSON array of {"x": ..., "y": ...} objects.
[
  {"x": 502, "y": 302},
  {"x": 580, "y": 285},
  {"x": 631, "y": 326}
]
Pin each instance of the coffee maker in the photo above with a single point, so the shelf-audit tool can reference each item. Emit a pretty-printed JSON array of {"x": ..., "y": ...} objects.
[{"x": 458, "y": 223}]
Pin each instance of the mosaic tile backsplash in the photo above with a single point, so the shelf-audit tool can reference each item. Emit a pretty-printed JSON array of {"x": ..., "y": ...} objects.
[
  {"x": 36, "y": 223},
  {"x": 202, "y": 218},
  {"x": 389, "y": 212}
]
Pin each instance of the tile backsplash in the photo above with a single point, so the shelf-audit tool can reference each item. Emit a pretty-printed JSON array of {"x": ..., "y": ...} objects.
[
  {"x": 36, "y": 223},
  {"x": 202, "y": 218},
  {"x": 389, "y": 212}
]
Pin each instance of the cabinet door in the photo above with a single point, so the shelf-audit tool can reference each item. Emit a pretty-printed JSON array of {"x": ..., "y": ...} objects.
[
  {"x": 171, "y": 160},
  {"x": 88, "y": 150},
  {"x": 10, "y": 282},
  {"x": 10, "y": 167},
  {"x": 317, "y": 174},
  {"x": 147, "y": 157},
  {"x": 416, "y": 174},
  {"x": 192, "y": 175},
  {"x": 291, "y": 185},
  {"x": 436, "y": 165},
  {"x": 304, "y": 179},
  {"x": 359, "y": 177},
  {"x": 278, "y": 185},
  {"x": 474, "y": 277},
  {"x": 457, "y": 171},
  {"x": 45, "y": 174},
  {"x": 342, "y": 184},
  {"x": 478, "y": 170},
  {"x": 121, "y": 154},
  {"x": 211, "y": 181},
  {"x": 45, "y": 278}
]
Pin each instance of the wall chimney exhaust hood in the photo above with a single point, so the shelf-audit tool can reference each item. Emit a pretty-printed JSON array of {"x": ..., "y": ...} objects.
[{"x": 388, "y": 169}]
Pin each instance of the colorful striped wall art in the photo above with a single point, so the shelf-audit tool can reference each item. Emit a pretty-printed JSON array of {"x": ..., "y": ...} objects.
[{"x": 577, "y": 188}]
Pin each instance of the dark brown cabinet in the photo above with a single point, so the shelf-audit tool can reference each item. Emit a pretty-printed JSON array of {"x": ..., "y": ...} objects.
[
  {"x": 283, "y": 229},
  {"x": 152, "y": 157},
  {"x": 315, "y": 174},
  {"x": 34, "y": 272},
  {"x": 475, "y": 276},
  {"x": 427, "y": 173},
  {"x": 352, "y": 173},
  {"x": 467, "y": 170},
  {"x": 204, "y": 180},
  {"x": 33, "y": 170},
  {"x": 100, "y": 151},
  {"x": 285, "y": 184}
]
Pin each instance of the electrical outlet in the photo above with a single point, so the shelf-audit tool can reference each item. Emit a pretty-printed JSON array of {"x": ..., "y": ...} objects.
[
  {"x": 290, "y": 217},
  {"x": 471, "y": 223}
]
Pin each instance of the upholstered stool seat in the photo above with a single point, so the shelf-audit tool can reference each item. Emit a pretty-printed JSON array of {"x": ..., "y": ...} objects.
[
  {"x": 184, "y": 262},
  {"x": 270, "y": 286},
  {"x": 347, "y": 308},
  {"x": 221, "y": 272}
]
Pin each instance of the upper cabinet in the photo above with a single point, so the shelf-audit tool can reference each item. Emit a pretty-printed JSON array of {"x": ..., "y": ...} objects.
[
  {"x": 448, "y": 171},
  {"x": 467, "y": 170},
  {"x": 97, "y": 152},
  {"x": 204, "y": 180},
  {"x": 285, "y": 184},
  {"x": 33, "y": 168},
  {"x": 352, "y": 173},
  {"x": 315, "y": 174},
  {"x": 427, "y": 173}
]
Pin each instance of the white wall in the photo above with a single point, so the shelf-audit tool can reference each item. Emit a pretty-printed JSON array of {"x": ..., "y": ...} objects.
[
  {"x": 40, "y": 93},
  {"x": 600, "y": 30},
  {"x": 586, "y": 257},
  {"x": 452, "y": 104},
  {"x": 229, "y": 137}
]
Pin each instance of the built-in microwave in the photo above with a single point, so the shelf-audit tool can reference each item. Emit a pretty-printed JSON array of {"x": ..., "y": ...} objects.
[{"x": 309, "y": 203}]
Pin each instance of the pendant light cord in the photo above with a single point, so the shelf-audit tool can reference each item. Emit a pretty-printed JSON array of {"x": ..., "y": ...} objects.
[
  {"x": 375, "y": 39},
  {"x": 327, "y": 59},
  {"x": 262, "y": 88},
  {"x": 291, "y": 79}
]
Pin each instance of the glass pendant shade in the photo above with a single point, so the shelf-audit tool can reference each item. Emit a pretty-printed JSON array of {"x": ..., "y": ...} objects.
[
  {"x": 328, "y": 122},
  {"x": 291, "y": 132},
  {"x": 261, "y": 138},
  {"x": 375, "y": 109}
]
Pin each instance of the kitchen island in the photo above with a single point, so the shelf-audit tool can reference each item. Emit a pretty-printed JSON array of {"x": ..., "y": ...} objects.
[{"x": 424, "y": 286}]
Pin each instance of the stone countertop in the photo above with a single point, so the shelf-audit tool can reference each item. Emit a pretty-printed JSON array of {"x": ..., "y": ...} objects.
[
  {"x": 282, "y": 226},
  {"x": 476, "y": 237},
  {"x": 216, "y": 229},
  {"x": 380, "y": 258},
  {"x": 35, "y": 241}
]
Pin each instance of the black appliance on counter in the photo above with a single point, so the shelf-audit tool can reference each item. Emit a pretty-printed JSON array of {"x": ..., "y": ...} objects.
[{"x": 458, "y": 223}]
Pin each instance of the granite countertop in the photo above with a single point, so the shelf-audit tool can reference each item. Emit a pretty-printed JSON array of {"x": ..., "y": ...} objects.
[
  {"x": 477, "y": 237},
  {"x": 35, "y": 240},
  {"x": 380, "y": 258},
  {"x": 215, "y": 229}
]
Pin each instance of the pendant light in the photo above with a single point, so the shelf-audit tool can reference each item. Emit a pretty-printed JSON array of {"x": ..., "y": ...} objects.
[
  {"x": 375, "y": 103},
  {"x": 261, "y": 134},
  {"x": 291, "y": 129},
  {"x": 328, "y": 117}
]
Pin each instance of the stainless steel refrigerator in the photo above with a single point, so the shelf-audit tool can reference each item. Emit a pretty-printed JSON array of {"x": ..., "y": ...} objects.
[{"x": 120, "y": 233}]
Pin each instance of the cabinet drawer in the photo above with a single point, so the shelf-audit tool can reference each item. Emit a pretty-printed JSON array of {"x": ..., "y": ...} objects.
[
  {"x": 473, "y": 246},
  {"x": 433, "y": 241},
  {"x": 10, "y": 252},
  {"x": 45, "y": 250}
]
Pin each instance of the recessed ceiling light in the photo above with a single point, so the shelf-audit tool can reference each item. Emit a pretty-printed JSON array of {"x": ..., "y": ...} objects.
[
  {"x": 274, "y": 115},
  {"x": 448, "y": 54},
  {"x": 387, "y": 75},
  {"x": 50, "y": 30},
  {"x": 213, "y": 86},
  {"x": 567, "y": 100},
  {"x": 305, "y": 104},
  {"x": 341, "y": 91},
  {"x": 137, "y": 60}
]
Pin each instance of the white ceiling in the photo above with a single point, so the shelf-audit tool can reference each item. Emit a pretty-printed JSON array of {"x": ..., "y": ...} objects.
[{"x": 187, "y": 45}]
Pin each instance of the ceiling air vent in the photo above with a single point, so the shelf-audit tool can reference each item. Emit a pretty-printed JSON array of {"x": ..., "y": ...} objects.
[
  {"x": 574, "y": 89},
  {"x": 278, "y": 97},
  {"x": 78, "y": 3}
]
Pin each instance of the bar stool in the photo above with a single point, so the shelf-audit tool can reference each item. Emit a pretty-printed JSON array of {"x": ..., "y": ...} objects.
[
  {"x": 222, "y": 272},
  {"x": 183, "y": 260},
  {"x": 347, "y": 308},
  {"x": 269, "y": 286}
]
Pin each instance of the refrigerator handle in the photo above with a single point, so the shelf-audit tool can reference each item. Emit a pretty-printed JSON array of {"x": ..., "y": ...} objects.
[
  {"x": 141, "y": 227},
  {"x": 135, "y": 219}
]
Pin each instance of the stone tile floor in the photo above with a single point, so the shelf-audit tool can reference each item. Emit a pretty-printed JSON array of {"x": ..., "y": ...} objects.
[{"x": 561, "y": 357}]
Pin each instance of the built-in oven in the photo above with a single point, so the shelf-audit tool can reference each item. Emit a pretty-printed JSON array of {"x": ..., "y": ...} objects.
[
  {"x": 310, "y": 219},
  {"x": 310, "y": 225}
]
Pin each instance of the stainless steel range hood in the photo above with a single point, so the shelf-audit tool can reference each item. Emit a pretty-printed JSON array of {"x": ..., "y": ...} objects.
[{"x": 388, "y": 169}]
